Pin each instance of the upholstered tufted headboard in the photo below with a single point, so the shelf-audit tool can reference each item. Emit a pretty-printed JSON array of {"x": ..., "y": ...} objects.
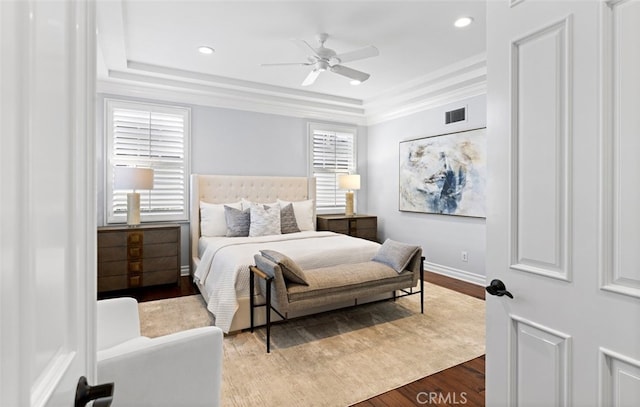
[{"x": 231, "y": 188}]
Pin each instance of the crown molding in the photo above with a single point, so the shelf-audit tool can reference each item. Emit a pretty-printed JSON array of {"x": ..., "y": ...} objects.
[
  {"x": 462, "y": 80},
  {"x": 173, "y": 91}
]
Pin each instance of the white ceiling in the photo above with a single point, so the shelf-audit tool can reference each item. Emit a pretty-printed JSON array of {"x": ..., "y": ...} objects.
[{"x": 155, "y": 43}]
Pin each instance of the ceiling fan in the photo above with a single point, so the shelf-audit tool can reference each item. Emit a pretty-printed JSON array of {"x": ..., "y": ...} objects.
[{"x": 326, "y": 59}]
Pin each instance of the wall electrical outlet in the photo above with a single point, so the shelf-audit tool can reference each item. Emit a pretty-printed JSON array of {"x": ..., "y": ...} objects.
[{"x": 464, "y": 257}]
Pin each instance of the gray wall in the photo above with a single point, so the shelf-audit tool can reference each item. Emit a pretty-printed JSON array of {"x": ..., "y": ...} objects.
[
  {"x": 442, "y": 237},
  {"x": 234, "y": 142}
]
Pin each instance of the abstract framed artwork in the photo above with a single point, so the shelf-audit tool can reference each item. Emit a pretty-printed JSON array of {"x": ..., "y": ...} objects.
[{"x": 444, "y": 174}]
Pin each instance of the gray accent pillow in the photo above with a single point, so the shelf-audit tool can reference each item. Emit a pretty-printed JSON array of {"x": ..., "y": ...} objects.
[
  {"x": 395, "y": 254},
  {"x": 290, "y": 268},
  {"x": 238, "y": 221},
  {"x": 288, "y": 222}
]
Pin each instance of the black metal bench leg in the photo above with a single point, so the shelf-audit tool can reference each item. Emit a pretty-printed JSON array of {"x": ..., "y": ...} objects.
[
  {"x": 422, "y": 285},
  {"x": 268, "y": 310},
  {"x": 251, "y": 295}
]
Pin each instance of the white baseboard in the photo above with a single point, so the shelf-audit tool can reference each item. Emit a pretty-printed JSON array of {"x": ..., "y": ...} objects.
[
  {"x": 456, "y": 273},
  {"x": 185, "y": 270}
]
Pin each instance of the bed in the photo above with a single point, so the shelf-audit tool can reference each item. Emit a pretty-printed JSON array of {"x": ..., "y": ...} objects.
[{"x": 220, "y": 264}]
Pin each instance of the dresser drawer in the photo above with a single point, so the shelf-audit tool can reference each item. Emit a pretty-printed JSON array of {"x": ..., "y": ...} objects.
[
  {"x": 160, "y": 250},
  {"x": 112, "y": 283},
  {"x": 161, "y": 236},
  {"x": 334, "y": 225},
  {"x": 112, "y": 268},
  {"x": 159, "y": 277},
  {"x": 112, "y": 239},
  {"x": 112, "y": 253},
  {"x": 160, "y": 263},
  {"x": 365, "y": 223},
  {"x": 339, "y": 226},
  {"x": 370, "y": 234}
]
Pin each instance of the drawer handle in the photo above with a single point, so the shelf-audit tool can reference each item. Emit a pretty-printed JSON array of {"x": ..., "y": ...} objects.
[
  {"x": 134, "y": 281},
  {"x": 135, "y": 237}
]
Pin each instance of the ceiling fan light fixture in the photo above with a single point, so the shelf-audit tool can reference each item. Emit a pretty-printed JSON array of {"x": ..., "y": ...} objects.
[
  {"x": 355, "y": 82},
  {"x": 322, "y": 65},
  {"x": 205, "y": 50},
  {"x": 463, "y": 22}
]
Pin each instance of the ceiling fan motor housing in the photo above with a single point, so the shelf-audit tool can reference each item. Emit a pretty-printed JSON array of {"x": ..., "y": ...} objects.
[{"x": 322, "y": 65}]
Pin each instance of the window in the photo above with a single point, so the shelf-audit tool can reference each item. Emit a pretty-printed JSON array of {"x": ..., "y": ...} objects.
[
  {"x": 150, "y": 136},
  {"x": 333, "y": 152}
]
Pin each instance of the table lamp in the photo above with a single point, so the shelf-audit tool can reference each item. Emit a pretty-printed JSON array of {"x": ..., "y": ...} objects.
[
  {"x": 132, "y": 178},
  {"x": 350, "y": 182}
]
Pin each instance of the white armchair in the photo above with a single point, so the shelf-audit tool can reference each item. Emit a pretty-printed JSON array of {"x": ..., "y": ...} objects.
[{"x": 181, "y": 369}]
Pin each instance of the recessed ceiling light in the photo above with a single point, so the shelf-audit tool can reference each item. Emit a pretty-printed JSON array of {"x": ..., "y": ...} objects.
[
  {"x": 205, "y": 50},
  {"x": 463, "y": 22}
]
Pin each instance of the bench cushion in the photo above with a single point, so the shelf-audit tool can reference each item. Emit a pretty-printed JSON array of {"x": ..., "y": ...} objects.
[{"x": 347, "y": 278}]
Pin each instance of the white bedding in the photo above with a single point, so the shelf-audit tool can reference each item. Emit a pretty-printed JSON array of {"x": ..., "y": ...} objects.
[{"x": 224, "y": 265}]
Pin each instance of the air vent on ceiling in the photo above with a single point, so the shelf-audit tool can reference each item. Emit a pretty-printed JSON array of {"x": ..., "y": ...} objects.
[{"x": 457, "y": 115}]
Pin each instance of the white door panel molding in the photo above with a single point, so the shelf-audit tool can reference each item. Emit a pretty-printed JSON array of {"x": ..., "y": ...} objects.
[
  {"x": 620, "y": 380},
  {"x": 541, "y": 151},
  {"x": 540, "y": 366},
  {"x": 620, "y": 195}
]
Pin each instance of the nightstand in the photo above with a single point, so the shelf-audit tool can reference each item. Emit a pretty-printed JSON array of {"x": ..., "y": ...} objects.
[
  {"x": 363, "y": 226},
  {"x": 138, "y": 256}
]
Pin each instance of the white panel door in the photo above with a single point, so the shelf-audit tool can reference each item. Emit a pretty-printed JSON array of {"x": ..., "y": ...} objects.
[
  {"x": 47, "y": 205},
  {"x": 563, "y": 221}
]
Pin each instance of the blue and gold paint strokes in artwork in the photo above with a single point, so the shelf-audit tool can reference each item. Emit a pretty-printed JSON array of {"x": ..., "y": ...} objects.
[{"x": 444, "y": 174}]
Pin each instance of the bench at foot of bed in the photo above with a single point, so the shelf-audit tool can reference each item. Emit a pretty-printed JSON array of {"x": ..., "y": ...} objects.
[{"x": 288, "y": 289}]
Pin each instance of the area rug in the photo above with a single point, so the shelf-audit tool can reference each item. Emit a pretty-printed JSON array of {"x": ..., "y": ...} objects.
[{"x": 338, "y": 358}]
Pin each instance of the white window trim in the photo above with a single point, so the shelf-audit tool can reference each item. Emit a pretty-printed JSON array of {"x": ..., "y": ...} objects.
[
  {"x": 109, "y": 104},
  {"x": 338, "y": 128}
]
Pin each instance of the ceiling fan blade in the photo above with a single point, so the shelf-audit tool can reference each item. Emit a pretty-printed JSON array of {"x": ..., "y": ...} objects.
[
  {"x": 311, "y": 77},
  {"x": 350, "y": 73},
  {"x": 288, "y": 64},
  {"x": 305, "y": 46},
  {"x": 362, "y": 53}
]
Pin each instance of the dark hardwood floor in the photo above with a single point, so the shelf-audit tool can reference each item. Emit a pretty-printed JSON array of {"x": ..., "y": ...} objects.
[
  {"x": 459, "y": 385},
  {"x": 455, "y": 285},
  {"x": 186, "y": 287}
]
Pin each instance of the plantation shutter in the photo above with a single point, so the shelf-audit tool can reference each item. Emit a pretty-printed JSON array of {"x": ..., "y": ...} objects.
[
  {"x": 154, "y": 137},
  {"x": 333, "y": 153}
]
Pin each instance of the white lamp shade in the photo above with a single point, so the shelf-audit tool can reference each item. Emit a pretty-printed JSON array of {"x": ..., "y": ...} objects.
[
  {"x": 350, "y": 182},
  {"x": 133, "y": 178}
]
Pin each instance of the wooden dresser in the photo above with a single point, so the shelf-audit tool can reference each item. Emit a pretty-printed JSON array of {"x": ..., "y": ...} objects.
[
  {"x": 140, "y": 256},
  {"x": 363, "y": 226}
]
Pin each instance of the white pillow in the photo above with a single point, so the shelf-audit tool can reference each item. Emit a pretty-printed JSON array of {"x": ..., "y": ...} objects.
[
  {"x": 212, "y": 219},
  {"x": 304, "y": 213},
  {"x": 265, "y": 221},
  {"x": 246, "y": 204}
]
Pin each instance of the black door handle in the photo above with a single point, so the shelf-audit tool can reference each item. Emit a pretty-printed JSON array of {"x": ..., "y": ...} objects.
[
  {"x": 101, "y": 393},
  {"x": 497, "y": 287}
]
